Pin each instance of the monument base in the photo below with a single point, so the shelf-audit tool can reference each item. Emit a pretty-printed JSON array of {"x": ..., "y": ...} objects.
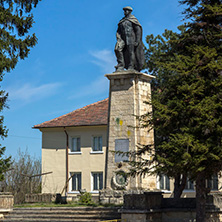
[
  {"x": 129, "y": 90},
  {"x": 152, "y": 206}
]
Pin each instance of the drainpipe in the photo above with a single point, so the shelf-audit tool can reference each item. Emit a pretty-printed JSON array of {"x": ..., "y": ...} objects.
[{"x": 67, "y": 161}]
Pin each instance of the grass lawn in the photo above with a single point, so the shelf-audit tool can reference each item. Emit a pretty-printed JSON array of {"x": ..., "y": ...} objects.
[{"x": 69, "y": 204}]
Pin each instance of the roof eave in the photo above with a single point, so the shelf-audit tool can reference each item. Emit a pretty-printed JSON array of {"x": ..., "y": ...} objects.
[{"x": 45, "y": 127}]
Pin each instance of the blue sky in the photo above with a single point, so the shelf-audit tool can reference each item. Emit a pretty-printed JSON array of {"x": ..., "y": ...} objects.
[{"x": 66, "y": 69}]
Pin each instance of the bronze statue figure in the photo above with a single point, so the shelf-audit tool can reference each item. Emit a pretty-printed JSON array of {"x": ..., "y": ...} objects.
[{"x": 129, "y": 47}]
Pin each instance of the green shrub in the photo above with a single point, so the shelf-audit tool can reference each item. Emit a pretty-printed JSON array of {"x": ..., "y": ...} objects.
[{"x": 86, "y": 198}]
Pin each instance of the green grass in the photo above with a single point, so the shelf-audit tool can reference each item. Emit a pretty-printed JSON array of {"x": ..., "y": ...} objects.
[
  {"x": 50, "y": 205},
  {"x": 69, "y": 204}
]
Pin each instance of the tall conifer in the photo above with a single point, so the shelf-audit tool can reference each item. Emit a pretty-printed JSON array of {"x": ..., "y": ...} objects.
[
  {"x": 16, "y": 20},
  {"x": 187, "y": 99}
]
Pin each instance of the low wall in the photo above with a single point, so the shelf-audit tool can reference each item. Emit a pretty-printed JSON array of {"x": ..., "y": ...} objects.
[
  {"x": 151, "y": 206},
  {"x": 40, "y": 198},
  {"x": 6, "y": 204},
  {"x": 115, "y": 196}
]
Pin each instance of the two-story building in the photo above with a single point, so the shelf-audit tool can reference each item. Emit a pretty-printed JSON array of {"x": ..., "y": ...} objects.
[{"x": 74, "y": 149}]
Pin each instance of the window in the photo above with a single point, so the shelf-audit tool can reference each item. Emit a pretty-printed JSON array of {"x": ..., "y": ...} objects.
[
  {"x": 76, "y": 181},
  {"x": 213, "y": 183},
  {"x": 97, "y": 181},
  {"x": 164, "y": 182},
  {"x": 97, "y": 143},
  {"x": 75, "y": 144},
  {"x": 189, "y": 185}
]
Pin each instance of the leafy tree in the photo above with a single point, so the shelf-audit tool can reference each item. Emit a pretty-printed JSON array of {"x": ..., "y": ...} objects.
[
  {"x": 187, "y": 98},
  {"x": 15, "y": 43}
]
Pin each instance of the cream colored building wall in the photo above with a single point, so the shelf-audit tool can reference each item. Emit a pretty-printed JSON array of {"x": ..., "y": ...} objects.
[
  {"x": 86, "y": 162},
  {"x": 53, "y": 160},
  {"x": 186, "y": 192}
]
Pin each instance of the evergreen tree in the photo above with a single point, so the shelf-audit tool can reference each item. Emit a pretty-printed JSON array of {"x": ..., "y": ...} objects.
[
  {"x": 15, "y": 43},
  {"x": 187, "y": 98},
  {"x": 202, "y": 40},
  {"x": 166, "y": 119}
]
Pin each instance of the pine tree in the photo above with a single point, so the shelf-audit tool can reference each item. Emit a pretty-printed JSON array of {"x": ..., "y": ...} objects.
[
  {"x": 187, "y": 98},
  {"x": 166, "y": 118},
  {"x": 202, "y": 41},
  {"x": 15, "y": 43}
]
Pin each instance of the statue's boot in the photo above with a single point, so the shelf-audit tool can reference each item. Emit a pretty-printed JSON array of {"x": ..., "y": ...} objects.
[
  {"x": 119, "y": 68},
  {"x": 120, "y": 60},
  {"x": 130, "y": 68}
]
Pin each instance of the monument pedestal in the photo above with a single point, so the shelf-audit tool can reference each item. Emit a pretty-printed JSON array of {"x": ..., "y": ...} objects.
[{"x": 128, "y": 92}]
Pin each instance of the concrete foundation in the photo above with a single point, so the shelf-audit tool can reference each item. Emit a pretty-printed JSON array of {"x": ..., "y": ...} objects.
[{"x": 152, "y": 207}]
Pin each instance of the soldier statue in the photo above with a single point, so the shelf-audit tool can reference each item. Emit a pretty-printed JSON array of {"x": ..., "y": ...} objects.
[{"x": 129, "y": 47}]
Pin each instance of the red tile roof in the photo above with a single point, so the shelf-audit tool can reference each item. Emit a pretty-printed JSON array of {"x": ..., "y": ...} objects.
[{"x": 90, "y": 115}]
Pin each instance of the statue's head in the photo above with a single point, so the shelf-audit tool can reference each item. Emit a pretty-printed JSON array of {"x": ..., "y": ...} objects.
[{"x": 127, "y": 10}]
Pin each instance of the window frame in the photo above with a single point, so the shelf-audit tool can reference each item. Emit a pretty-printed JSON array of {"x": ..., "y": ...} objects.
[
  {"x": 213, "y": 182},
  {"x": 78, "y": 182},
  {"x": 71, "y": 150},
  {"x": 190, "y": 186},
  {"x": 164, "y": 189},
  {"x": 99, "y": 176},
  {"x": 100, "y": 149}
]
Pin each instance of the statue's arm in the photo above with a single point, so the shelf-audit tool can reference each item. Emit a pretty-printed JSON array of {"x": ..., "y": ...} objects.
[
  {"x": 118, "y": 36},
  {"x": 120, "y": 43},
  {"x": 138, "y": 34}
]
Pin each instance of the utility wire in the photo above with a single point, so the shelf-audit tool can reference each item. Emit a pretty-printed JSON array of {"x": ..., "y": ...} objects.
[{"x": 24, "y": 137}]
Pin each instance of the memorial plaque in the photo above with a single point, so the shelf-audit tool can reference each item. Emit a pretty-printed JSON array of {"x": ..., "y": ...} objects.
[
  {"x": 123, "y": 146},
  {"x": 121, "y": 178}
]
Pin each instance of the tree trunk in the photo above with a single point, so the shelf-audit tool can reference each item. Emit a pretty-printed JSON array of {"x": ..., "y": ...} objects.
[
  {"x": 201, "y": 195},
  {"x": 179, "y": 185}
]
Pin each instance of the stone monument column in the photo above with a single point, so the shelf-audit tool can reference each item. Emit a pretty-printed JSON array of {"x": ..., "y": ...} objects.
[
  {"x": 129, "y": 89},
  {"x": 128, "y": 92}
]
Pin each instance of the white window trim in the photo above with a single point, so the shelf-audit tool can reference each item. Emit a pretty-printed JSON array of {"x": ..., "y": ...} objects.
[
  {"x": 212, "y": 180},
  {"x": 70, "y": 183},
  {"x": 95, "y": 191},
  {"x": 70, "y": 148},
  {"x": 158, "y": 186},
  {"x": 97, "y": 151},
  {"x": 75, "y": 153},
  {"x": 189, "y": 191},
  {"x": 73, "y": 192}
]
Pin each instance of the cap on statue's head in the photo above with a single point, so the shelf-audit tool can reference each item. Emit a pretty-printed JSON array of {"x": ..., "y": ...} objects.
[{"x": 128, "y": 8}]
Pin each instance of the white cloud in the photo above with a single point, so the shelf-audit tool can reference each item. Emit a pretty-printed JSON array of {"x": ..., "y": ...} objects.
[
  {"x": 28, "y": 92},
  {"x": 98, "y": 87},
  {"x": 105, "y": 59}
]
